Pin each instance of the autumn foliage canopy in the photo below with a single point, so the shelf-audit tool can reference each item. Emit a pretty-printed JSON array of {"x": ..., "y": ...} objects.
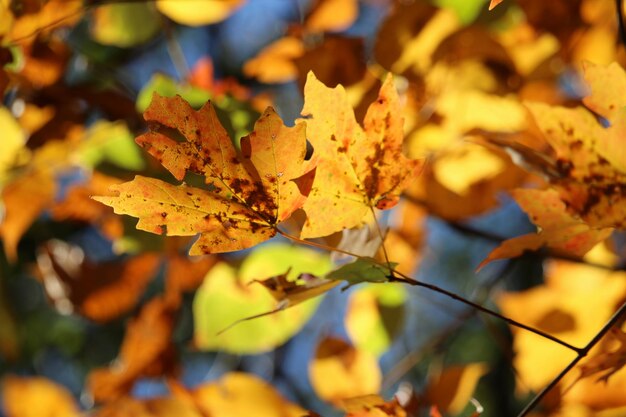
[{"x": 369, "y": 208}]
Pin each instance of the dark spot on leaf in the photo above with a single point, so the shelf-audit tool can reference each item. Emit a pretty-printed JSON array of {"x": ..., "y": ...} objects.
[
  {"x": 564, "y": 167},
  {"x": 557, "y": 321}
]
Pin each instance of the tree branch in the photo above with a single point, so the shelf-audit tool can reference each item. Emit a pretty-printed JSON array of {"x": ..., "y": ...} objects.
[{"x": 581, "y": 354}]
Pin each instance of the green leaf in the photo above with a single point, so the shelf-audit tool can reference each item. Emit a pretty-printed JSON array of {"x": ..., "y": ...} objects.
[
  {"x": 125, "y": 25},
  {"x": 228, "y": 295},
  {"x": 362, "y": 270},
  {"x": 111, "y": 142},
  {"x": 374, "y": 316},
  {"x": 168, "y": 87},
  {"x": 466, "y": 10},
  {"x": 12, "y": 142}
]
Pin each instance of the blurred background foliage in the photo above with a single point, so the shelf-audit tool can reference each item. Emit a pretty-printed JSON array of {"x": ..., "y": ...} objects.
[{"x": 87, "y": 301}]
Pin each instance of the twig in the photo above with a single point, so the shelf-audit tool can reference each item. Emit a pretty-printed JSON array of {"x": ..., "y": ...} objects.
[
  {"x": 175, "y": 51},
  {"x": 408, "y": 280},
  {"x": 581, "y": 354},
  {"x": 382, "y": 240},
  {"x": 485, "y": 310}
]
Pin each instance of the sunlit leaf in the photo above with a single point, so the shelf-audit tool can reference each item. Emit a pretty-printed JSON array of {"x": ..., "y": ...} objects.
[
  {"x": 375, "y": 316},
  {"x": 573, "y": 305},
  {"x": 52, "y": 400},
  {"x": 168, "y": 87},
  {"x": 247, "y": 192},
  {"x": 607, "y": 85},
  {"x": 331, "y": 15},
  {"x": 116, "y": 24},
  {"x": 110, "y": 142},
  {"x": 359, "y": 167},
  {"x": 198, "y": 12},
  {"x": 558, "y": 229},
  {"x": 239, "y": 394},
  {"x": 339, "y": 371},
  {"x": 275, "y": 62},
  {"x": 592, "y": 163},
  {"x": 45, "y": 17},
  {"x": 12, "y": 141}
]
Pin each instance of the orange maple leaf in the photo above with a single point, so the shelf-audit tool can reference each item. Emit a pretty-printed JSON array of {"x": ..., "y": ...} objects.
[
  {"x": 494, "y": 3},
  {"x": 247, "y": 193},
  {"x": 358, "y": 167},
  {"x": 558, "y": 229}
]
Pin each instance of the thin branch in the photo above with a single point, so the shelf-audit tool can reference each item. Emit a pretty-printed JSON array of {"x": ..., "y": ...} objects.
[
  {"x": 382, "y": 240},
  {"x": 315, "y": 244},
  {"x": 398, "y": 276},
  {"x": 174, "y": 51},
  {"x": 485, "y": 310},
  {"x": 581, "y": 354}
]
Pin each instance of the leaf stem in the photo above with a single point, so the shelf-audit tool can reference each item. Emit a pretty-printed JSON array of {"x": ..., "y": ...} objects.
[
  {"x": 581, "y": 354},
  {"x": 406, "y": 279},
  {"x": 315, "y": 244},
  {"x": 382, "y": 241}
]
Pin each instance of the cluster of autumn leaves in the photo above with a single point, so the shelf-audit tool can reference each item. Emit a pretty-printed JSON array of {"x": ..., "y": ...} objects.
[{"x": 472, "y": 91}]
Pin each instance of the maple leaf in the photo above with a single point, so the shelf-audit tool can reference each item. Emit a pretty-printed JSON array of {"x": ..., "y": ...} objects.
[
  {"x": 340, "y": 371},
  {"x": 592, "y": 169},
  {"x": 247, "y": 194},
  {"x": 359, "y": 167},
  {"x": 558, "y": 229}
]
